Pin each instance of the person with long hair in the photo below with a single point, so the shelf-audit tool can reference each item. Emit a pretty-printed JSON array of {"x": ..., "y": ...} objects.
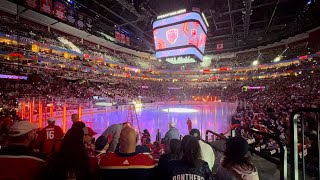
[
  {"x": 172, "y": 152},
  {"x": 235, "y": 165},
  {"x": 190, "y": 163},
  {"x": 207, "y": 153},
  {"x": 72, "y": 161}
]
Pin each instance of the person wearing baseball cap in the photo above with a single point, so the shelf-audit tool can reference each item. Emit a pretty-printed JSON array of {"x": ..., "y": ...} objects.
[
  {"x": 18, "y": 161},
  {"x": 207, "y": 153},
  {"x": 48, "y": 136},
  {"x": 114, "y": 130},
  {"x": 173, "y": 133},
  {"x": 88, "y": 138},
  {"x": 88, "y": 132},
  {"x": 235, "y": 164}
]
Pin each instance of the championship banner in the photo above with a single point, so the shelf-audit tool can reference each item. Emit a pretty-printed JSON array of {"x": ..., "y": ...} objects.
[
  {"x": 89, "y": 23},
  {"x": 123, "y": 38},
  {"x": 60, "y": 10},
  {"x": 117, "y": 36},
  {"x": 33, "y": 4},
  {"x": 80, "y": 21},
  {"x": 46, "y": 6},
  {"x": 71, "y": 16},
  {"x": 128, "y": 40}
]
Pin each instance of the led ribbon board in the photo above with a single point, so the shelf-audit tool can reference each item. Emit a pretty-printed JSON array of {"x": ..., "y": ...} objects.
[{"x": 180, "y": 35}]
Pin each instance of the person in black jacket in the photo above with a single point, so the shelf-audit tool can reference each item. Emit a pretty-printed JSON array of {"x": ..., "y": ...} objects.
[
  {"x": 190, "y": 166},
  {"x": 72, "y": 161},
  {"x": 171, "y": 153}
]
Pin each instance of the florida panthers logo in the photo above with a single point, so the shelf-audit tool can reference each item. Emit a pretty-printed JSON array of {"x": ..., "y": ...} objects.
[{"x": 172, "y": 35}]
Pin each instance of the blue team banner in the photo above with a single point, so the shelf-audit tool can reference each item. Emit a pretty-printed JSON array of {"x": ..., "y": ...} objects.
[{"x": 6, "y": 76}]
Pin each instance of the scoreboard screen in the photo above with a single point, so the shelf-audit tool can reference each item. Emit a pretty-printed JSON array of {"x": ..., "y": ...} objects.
[{"x": 180, "y": 35}]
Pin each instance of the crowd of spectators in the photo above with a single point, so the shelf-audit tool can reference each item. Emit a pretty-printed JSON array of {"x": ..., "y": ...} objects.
[
  {"x": 115, "y": 154},
  {"x": 27, "y": 153},
  {"x": 269, "y": 111}
]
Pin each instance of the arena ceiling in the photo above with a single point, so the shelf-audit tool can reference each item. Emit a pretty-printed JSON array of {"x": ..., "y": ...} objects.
[{"x": 239, "y": 24}]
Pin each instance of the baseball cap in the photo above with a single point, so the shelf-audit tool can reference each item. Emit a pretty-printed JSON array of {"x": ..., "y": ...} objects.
[
  {"x": 195, "y": 133},
  {"x": 88, "y": 131},
  {"x": 91, "y": 132},
  {"x": 51, "y": 119},
  {"x": 172, "y": 124},
  {"x": 20, "y": 128}
]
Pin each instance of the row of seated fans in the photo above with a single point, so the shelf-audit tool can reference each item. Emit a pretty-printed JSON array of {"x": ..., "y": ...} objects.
[{"x": 115, "y": 154}]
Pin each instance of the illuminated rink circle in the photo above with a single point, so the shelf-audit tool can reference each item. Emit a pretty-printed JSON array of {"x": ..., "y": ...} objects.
[
  {"x": 180, "y": 110},
  {"x": 213, "y": 116}
]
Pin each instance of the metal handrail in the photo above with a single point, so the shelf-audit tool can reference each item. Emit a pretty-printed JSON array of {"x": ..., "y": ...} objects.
[
  {"x": 214, "y": 133},
  {"x": 294, "y": 142},
  {"x": 282, "y": 162}
]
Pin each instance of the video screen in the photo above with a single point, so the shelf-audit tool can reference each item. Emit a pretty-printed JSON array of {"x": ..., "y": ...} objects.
[
  {"x": 188, "y": 33},
  {"x": 180, "y": 35}
]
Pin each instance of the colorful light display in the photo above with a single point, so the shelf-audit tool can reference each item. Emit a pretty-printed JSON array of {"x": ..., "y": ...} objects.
[{"x": 180, "y": 35}]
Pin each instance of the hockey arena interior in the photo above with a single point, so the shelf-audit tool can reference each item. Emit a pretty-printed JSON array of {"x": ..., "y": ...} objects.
[{"x": 160, "y": 89}]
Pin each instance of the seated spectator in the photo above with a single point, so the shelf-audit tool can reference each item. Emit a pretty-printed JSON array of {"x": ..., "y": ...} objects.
[
  {"x": 48, "y": 136},
  {"x": 235, "y": 164},
  {"x": 88, "y": 132},
  {"x": 88, "y": 139},
  {"x": 146, "y": 146},
  {"x": 114, "y": 130},
  {"x": 145, "y": 139},
  {"x": 17, "y": 161},
  {"x": 143, "y": 149},
  {"x": 102, "y": 144},
  {"x": 127, "y": 164},
  {"x": 190, "y": 165},
  {"x": 173, "y": 133},
  {"x": 157, "y": 150},
  {"x": 206, "y": 150},
  {"x": 72, "y": 161},
  {"x": 172, "y": 153}
]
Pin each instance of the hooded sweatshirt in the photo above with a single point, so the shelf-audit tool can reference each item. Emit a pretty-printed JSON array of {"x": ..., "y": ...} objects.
[{"x": 237, "y": 173}]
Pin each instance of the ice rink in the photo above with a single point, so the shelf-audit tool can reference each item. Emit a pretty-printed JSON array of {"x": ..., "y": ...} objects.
[{"x": 213, "y": 116}]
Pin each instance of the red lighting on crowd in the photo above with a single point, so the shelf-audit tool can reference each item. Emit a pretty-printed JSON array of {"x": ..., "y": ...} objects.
[
  {"x": 224, "y": 69},
  {"x": 303, "y": 57},
  {"x": 17, "y": 55}
]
